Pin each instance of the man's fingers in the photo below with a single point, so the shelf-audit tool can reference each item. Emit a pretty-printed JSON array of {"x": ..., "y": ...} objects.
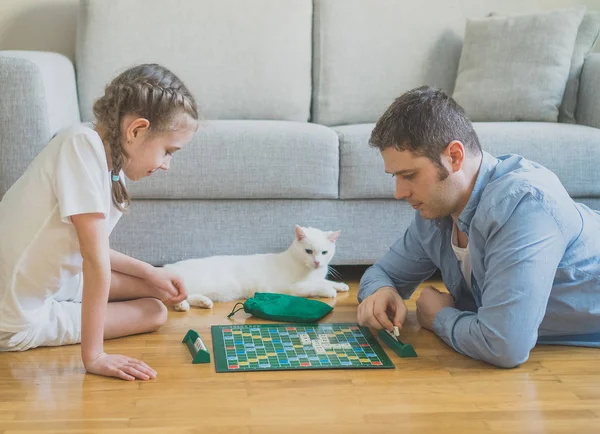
[
  {"x": 419, "y": 316},
  {"x": 373, "y": 325},
  {"x": 380, "y": 314},
  {"x": 400, "y": 314},
  {"x": 365, "y": 316},
  {"x": 361, "y": 314}
]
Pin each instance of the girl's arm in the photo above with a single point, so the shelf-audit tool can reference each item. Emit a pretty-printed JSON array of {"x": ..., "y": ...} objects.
[
  {"x": 168, "y": 286},
  {"x": 128, "y": 265},
  {"x": 93, "y": 243}
]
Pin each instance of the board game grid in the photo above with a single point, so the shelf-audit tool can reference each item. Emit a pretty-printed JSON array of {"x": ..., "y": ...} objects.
[{"x": 274, "y": 347}]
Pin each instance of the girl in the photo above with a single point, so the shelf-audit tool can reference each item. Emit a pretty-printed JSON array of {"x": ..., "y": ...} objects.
[{"x": 60, "y": 283}]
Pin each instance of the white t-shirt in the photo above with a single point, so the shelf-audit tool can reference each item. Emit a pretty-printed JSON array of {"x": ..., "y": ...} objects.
[
  {"x": 40, "y": 258},
  {"x": 462, "y": 254}
]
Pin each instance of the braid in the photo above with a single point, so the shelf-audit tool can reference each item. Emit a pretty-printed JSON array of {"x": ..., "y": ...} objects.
[
  {"x": 149, "y": 91},
  {"x": 109, "y": 109},
  {"x": 117, "y": 153}
]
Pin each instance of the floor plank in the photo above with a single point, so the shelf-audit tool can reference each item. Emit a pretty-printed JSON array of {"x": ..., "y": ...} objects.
[{"x": 46, "y": 390}]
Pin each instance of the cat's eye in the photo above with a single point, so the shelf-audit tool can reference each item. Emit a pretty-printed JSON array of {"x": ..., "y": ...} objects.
[
  {"x": 310, "y": 252},
  {"x": 324, "y": 252}
]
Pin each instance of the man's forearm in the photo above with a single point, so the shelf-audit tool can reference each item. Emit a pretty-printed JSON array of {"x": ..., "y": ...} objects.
[
  {"x": 373, "y": 279},
  {"x": 128, "y": 265}
]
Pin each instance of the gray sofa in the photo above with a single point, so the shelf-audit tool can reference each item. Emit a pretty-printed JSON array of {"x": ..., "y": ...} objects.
[{"x": 290, "y": 91}]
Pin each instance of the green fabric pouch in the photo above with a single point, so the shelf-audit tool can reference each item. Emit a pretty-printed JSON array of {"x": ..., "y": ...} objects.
[{"x": 283, "y": 307}]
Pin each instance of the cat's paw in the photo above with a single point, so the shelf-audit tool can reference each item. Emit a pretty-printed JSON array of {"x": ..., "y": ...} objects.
[
  {"x": 184, "y": 306},
  {"x": 327, "y": 292},
  {"x": 341, "y": 287},
  {"x": 200, "y": 301}
]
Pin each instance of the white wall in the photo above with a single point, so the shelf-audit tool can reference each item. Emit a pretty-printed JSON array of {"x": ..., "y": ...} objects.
[
  {"x": 557, "y": 4},
  {"x": 45, "y": 25},
  {"x": 50, "y": 25}
]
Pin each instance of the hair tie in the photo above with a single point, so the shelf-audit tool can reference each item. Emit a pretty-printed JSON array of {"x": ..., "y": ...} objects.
[{"x": 115, "y": 178}]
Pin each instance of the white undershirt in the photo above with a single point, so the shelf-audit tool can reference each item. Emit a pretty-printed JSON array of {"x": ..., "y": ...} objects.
[{"x": 462, "y": 254}]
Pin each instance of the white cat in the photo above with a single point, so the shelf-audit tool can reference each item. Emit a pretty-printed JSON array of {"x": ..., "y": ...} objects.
[{"x": 301, "y": 270}]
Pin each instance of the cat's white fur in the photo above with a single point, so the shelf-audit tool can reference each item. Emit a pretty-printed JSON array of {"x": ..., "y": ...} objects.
[{"x": 300, "y": 270}]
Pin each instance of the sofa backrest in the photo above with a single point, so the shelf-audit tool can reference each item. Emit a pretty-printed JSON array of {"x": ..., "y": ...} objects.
[
  {"x": 242, "y": 59},
  {"x": 367, "y": 52}
]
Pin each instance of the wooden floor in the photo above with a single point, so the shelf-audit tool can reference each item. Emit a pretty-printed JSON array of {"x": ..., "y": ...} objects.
[{"x": 46, "y": 391}]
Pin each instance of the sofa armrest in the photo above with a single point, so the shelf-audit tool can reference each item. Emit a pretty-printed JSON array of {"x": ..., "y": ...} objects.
[
  {"x": 38, "y": 97},
  {"x": 588, "y": 106}
]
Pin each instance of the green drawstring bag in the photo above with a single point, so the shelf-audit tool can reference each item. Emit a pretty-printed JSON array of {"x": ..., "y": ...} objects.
[{"x": 283, "y": 307}]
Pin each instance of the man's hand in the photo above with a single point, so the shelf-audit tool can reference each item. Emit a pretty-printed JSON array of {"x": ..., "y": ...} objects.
[
  {"x": 383, "y": 309},
  {"x": 429, "y": 303},
  {"x": 169, "y": 286}
]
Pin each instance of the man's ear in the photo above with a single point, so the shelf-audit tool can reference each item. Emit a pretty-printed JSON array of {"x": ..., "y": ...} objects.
[{"x": 455, "y": 154}]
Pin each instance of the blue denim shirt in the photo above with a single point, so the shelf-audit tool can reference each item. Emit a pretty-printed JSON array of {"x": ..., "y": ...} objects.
[{"x": 535, "y": 257}]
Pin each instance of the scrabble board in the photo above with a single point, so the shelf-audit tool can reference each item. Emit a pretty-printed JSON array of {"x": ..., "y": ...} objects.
[{"x": 274, "y": 347}]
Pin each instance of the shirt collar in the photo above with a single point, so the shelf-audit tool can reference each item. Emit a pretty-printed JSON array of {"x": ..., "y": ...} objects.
[{"x": 486, "y": 169}]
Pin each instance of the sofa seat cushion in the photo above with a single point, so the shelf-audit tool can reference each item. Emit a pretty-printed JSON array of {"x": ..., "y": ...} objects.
[
  {"x": 250, "y": 160},
  {"x": 570, "y": 151}
]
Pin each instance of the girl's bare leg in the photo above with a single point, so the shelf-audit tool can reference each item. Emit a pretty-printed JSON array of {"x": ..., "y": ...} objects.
[
  {"x": 132, "y": 309},
  {"x": 124, "y": 318}
]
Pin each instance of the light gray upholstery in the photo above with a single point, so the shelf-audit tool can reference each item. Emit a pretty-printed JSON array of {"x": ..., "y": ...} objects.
[
  {"x": 588, "y": 108},
  {"x": 588, "y": 34},
  {"x": 162, "y": 231},
  {"x": 37, "y": 98},
  {"x": 503, "y": 56},
  {"x": 258, "y": 167},
  {"x": 241, "y": 59},
  {"x": 571, "y": 151},
  {"x": 592, "y": 202},
  {"x": 250, "y": 160},
  {"x": 367, "y": 52}
]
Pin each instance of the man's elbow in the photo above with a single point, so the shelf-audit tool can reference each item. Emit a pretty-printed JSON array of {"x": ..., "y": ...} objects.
[{"x": 507, "y": 356}]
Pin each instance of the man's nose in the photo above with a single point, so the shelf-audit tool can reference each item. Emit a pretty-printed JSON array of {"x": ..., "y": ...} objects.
[{"x": 402, "y": 192}]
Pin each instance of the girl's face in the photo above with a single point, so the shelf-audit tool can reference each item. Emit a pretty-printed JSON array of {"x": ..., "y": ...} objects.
[{"x": 147, "y": 151}]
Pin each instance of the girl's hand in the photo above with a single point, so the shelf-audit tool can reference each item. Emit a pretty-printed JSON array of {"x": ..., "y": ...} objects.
[
  {"x": 123, "y": 367},
  {"x": 169, "y": 286}
]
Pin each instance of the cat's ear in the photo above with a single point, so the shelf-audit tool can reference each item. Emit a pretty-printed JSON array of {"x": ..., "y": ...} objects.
[
  {"x": 333, "y": 236},
  {"x": 300, "y": 235}
]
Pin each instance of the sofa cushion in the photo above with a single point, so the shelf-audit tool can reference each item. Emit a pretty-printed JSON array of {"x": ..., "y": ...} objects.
[
  {"x": 516, "y": 68},
  {"x": 241, "y": 59},
  {"x": 589, "y": 30},
  {"x": 250, "y": 160},
  {"x": 570, "y": 151},
  {"x": 367, "y": 52}
]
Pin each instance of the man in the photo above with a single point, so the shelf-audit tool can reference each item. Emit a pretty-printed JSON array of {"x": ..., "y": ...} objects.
[{"x": 520, "y": 258}]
